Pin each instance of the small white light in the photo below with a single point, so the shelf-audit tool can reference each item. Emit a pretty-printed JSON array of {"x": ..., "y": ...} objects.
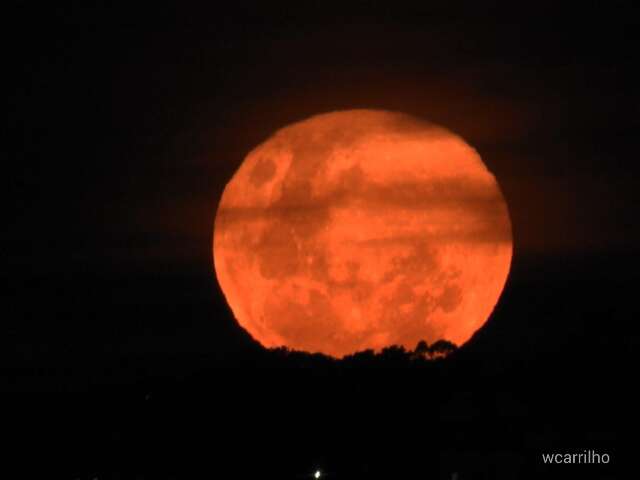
[{"x": 317, "y": 474}]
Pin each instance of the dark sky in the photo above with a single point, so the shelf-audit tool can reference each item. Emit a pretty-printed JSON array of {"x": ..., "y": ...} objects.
[{"x": 125, "y": 123}]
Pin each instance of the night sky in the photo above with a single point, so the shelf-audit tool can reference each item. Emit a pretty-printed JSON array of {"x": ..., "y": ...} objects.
[{"x": 124, "y": 125}]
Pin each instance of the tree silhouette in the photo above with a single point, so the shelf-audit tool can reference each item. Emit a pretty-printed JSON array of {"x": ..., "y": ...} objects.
[
  {"x": 441, "y": 348},
  {"x": 394, "y": 355},
  {"x": 421, "y": 351},
  {"x": 361, "y": 358}
]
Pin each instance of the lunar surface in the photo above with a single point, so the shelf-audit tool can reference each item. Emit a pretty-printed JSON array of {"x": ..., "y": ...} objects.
[{"x": 361, "y": 229}]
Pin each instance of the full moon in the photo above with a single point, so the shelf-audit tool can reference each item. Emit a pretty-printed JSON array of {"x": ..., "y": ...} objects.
[{"x": 361, "y": 229}]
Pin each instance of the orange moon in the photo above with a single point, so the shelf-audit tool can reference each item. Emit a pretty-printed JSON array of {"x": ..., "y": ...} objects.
[{"x": 361, "y": 229}]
